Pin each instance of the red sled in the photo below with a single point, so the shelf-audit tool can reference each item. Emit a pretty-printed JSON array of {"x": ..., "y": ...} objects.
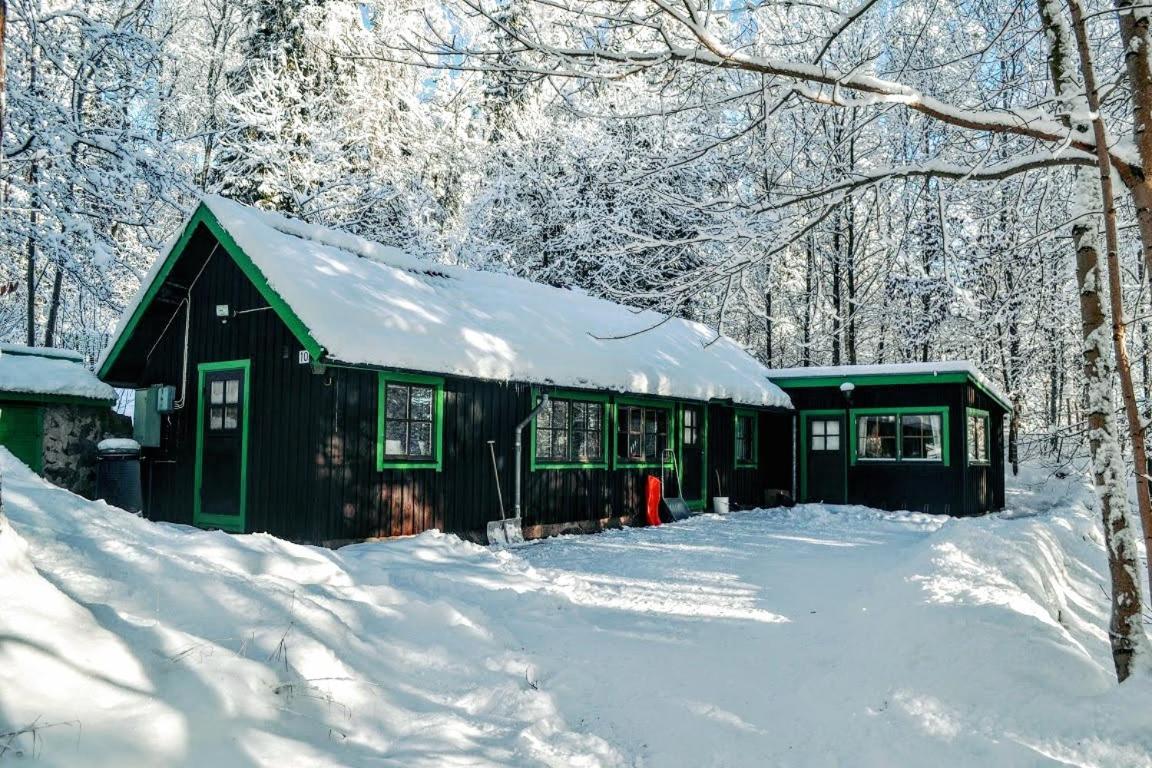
[{"x": 655, "y": 494}]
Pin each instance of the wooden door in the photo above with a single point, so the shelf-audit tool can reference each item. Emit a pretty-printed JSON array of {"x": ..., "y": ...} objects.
[
  {"x": 222, "y": 446},
  {"x": 826, "y": 442}
]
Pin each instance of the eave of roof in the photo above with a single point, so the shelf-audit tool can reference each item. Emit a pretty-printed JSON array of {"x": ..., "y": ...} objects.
[{"x": 864, "y": 376}]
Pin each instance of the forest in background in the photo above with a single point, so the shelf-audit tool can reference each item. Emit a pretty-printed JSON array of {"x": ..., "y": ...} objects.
[{"x": 869, "y": 233}]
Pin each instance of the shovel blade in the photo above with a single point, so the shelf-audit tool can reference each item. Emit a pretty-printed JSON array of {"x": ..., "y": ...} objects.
[{"x": 505, "y": 532}]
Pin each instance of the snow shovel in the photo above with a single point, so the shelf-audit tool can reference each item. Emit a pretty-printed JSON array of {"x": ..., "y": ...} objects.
[{"x": 504, "y": 531}]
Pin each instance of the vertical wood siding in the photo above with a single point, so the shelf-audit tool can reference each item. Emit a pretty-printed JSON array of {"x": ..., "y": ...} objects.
[{"x": 312, "y": 471}]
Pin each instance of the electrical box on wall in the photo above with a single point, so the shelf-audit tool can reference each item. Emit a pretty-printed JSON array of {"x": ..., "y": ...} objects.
[
  {"x": 165, "y": 398},
  {"x": 145, "y": 417}
]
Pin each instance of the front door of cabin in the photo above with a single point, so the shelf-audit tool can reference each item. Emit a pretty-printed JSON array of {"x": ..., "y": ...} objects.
[
  {"x": 692, "y": 458},
  {"x": 825, "y": 447},
  {"x": 222, "y": 446}
]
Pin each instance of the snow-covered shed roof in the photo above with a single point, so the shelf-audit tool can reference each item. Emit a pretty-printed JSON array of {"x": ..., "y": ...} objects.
[
  {"x": 896, "y": 373},
  {"x": 357, "y": 302},
  {"x": 42, "y": 371}
]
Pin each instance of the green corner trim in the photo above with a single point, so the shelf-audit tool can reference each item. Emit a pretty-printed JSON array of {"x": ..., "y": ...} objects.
[
  {"x": 926, "y": 410},
  {"x": 982, "y": 414},
  {"x": 804, "y": 417},
  {"x": 437, "y": 383},
  {"x": 755, "y": 416},
  {"x": 204, "y": 217},
  {"x": 605, "y": 427},
  {"x": 223, "y": 522},
  {"x": 875, "y": 380},
  {"x": 644, "y": 402}
]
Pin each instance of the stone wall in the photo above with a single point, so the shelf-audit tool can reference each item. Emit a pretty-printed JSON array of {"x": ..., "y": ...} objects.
[{"x": 71, "y": 433}]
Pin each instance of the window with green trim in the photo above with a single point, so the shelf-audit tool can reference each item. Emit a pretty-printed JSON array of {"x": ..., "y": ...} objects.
[
  {"x": 641, "y": 433},
  {"x": 900, "y": 437},
  {"x": 410, "y": 422},
  {"x": 747, "y": 447},
  {"x": 978, "y": 449},
  {"x": 570, "y": 431}
]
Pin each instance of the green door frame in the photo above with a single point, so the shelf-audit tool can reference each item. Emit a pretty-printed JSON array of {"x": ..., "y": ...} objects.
[
  {"x": 223, "y": 522},
  {"x": 844, "y": 430},
  {"x": 702, "y": 436}
]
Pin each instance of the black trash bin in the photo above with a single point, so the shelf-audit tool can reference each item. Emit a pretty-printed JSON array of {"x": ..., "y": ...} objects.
[{"x": 118, "y": 474}]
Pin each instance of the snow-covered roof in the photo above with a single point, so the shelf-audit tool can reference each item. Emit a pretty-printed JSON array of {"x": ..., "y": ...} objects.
[
  {"x": 856, "y": 372},
  {"x": 370, "y": 304},
  {"x": 45, "y": 371}
]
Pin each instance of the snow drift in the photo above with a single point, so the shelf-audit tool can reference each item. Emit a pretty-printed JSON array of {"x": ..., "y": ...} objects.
[{"x": 812, "y": 636}]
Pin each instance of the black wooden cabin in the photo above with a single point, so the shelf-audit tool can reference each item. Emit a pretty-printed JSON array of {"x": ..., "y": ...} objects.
[
  {"x": 327, "y": 389},
  {"x": 924, "y": 437}
]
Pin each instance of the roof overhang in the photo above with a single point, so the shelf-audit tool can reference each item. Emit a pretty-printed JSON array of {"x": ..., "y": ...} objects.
[{"x": 890, "y": 379}]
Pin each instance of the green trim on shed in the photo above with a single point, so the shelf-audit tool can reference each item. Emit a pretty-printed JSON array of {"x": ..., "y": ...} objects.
[
  {"x": 643, "y": 402},
  {"x": 755, "y": 461},
  {"x": 804, "y": 416},
  {"x": 437, "y": 383},
  {"x": 607, "y": 423},
  {"x": 926, "y": 410},
  {"x": 888, "y": 379},
  {"x": 223, "y": 522},
  {"x": 204, "y": 216}
]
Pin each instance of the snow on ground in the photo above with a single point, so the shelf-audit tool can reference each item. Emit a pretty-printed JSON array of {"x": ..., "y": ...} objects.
[{"x": 806, "y": 637}]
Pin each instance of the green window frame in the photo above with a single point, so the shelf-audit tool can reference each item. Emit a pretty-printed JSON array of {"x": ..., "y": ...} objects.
[
  {"x": 224, "y": 523},
  {"x": 561, "y": 406},
  {"x": 409, "y": 382},
  {"x": 901, "y": 418},
  {"x": 622, "y": 421},
  {"x": 978, "y": 437},
  {"x": 746, "y": 438}
]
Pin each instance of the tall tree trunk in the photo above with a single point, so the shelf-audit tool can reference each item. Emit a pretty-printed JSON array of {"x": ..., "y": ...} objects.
[
  {"x": 1126, "y": 632},
  {"x": 3, "y": 72},
  {"x": 30, "y": 255},
  {"x": 1115, "y": 286},
  {"x": 53, "y": 309}
]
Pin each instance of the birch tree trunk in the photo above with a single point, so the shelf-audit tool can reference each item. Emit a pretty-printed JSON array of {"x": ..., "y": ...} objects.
[{"x": 1126, "y": 632}]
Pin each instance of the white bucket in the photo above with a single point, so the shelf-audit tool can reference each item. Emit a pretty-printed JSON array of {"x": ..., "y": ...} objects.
[{"x": 720, "y": 505}]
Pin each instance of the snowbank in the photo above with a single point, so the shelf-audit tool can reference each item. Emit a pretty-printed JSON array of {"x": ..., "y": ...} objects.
[
  {"x": 45, "y": 371},
  {"x": 806, "y": 637}
]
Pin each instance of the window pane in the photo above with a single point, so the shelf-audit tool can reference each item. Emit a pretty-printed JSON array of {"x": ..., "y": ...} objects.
[
  {"x": 832, "y": 427},
  {"x": 833, "y": 442},
  {"x": 217, "y": 392},
  {"x": 595, "y": 416},
  {"x": 921, "y": 437},
  {"x": 578, "y": 445},
  {"x": 818, "y": 443},
  {"x": 877, "y": 437},
  {"x": 421, "y": 408},
  {"x": 579, "y": 415},
  {"x": 560, "y": 444},
  {"x": 543, "y": 443},
  {"x": 818, "y": 427},
  {"x": 635, "y": 447},
  {"x": 215, "y": 418},
  {"x": 559, "y": 414},
  {"x": 649, "y": 445},
  {"x": 231, "y": 416},
  {"x": 395, "y": 437},
  {"x": 420, "y": 439},
  {"x": 397, "y": 407},
  {"x": 544, "y": 418},
  {"x": 635, "y": 419},
  {"x": 232, "y": 391},
  {"x": 594, "y": 445}
]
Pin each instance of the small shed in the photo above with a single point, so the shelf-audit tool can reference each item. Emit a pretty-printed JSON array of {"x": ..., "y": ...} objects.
[
  {"x": 927, "y": 437},
  {"x": 53, "y": 411}
]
